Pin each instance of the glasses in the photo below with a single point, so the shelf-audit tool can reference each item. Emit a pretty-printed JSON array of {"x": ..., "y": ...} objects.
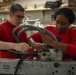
[{"x": 19, "y": 16}]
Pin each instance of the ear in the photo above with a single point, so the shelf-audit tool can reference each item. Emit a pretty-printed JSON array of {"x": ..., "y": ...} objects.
[{"x": 10, "y": 14}]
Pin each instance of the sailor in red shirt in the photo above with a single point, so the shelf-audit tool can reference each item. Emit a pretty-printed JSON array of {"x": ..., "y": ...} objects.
[
  {"x": 16, "y": 17},
  {"x": 66, "y": 36}
]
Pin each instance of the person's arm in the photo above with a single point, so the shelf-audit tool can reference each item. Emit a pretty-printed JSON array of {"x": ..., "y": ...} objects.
[
  {"x": 35, "y": 41},
  {"x": 36, "y": 45},
  {"x": 59, "y": 46},
  {"x": 23, "y": 47},
  {"x": 49, "y": 41},
  {"x": 69, "y": 49}
]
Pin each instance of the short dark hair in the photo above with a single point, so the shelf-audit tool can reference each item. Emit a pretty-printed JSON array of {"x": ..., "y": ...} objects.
[
  {"x": 16, "y": 7},
  {"x": 67, "y": 12}
]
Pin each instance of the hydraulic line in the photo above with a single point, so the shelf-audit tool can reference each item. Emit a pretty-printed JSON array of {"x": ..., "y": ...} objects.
[
  {"x": 13, "y": 51},
  {"x": 17, "y": 38},
  {"x": 29, "y": 27},
  {"x": 34, "y": 54}
]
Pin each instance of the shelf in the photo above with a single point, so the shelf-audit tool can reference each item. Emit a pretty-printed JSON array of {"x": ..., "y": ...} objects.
[
  {"x": 5, "y": 3},
  {"x": 38, "y": 9},
  {"x": 45, "y": 9},
  {"x": 32, "y": 9},
  {"x": 4, "y": 11}
]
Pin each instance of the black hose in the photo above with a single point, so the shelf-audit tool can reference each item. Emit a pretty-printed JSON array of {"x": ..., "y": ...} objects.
[
  {"x": 13, "y": 51},
  {"x": 34, "y": 54}
]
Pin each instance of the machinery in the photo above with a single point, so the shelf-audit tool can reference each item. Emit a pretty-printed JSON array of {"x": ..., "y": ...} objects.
[
  {"x": 50, "y": 62},
  {"x": 34, "y": 67}
]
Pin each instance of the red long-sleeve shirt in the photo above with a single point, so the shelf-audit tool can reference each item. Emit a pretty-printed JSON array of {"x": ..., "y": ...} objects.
[
  {"x": 69, "y": 38},
  {"x": 6, "y": 36}
]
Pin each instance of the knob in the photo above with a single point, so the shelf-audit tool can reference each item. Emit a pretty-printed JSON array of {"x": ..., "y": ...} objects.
[{"x": 56, "y": 64}]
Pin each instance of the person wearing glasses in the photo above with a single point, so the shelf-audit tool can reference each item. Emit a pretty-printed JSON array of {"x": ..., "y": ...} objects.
[
  {"x": 7, "y": 41},
  {"x": 65, "y": 35}
]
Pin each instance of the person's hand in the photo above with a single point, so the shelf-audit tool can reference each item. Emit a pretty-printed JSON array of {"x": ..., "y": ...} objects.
[
  {"x": 38, "y": 46},
  {"x": 23, "y": 47},
  {"x": 46, "y": 38}
]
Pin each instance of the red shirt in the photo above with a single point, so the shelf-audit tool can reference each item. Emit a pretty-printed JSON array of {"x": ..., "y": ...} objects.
[
  {"x": 69, "y": 38},
  {"x": 6, "y": 36}
]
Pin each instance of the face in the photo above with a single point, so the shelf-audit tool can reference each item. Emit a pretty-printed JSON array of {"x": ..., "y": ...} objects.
[
  {"x": 16, "y": 18},
  {"x": 62, "y": 23}
]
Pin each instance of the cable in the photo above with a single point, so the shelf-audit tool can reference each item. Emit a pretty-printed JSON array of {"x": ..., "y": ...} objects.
[
  {"x": 29, "y": 27},
  {"x": 17, "y": 38},
  {"x": 35, "y": 53},
  {"x": 26, "y": 27},
  {"x": 13, "y": 51}
]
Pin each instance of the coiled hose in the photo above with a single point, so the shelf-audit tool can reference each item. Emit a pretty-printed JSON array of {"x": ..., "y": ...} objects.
[
  {"x": 17, "y": 38},
  {"x": 29, "y": 27}
]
